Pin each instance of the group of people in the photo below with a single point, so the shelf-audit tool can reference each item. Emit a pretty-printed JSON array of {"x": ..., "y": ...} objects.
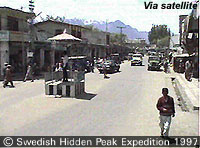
[
  {"x": 8, "y": 74},
  {"x": 62, "y": 66}
]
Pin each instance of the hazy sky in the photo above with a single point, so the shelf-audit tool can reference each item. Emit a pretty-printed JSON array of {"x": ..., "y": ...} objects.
[{"x": 131, "y": 12}]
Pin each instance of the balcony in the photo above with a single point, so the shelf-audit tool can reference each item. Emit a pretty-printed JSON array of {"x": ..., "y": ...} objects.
[{"x": 19, "y": 36}]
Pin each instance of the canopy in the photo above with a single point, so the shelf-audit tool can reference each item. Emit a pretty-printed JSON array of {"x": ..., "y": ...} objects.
[{"x": 64, "y": 37}]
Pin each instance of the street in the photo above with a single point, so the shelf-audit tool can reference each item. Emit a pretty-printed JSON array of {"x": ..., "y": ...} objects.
[{"x": 123, "y": 105}]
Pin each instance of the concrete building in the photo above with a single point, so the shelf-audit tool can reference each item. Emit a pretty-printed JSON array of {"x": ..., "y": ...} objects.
[
  {"x": 189, "y": 37},
  {"x": 93, "y": 44},
  {"x": 174, "y": 41},
  {"x": 14, "y": 38},
  {"x": 181, "y": 23},
  {"x": 48, "y": 53},
  {"x": 97, "y": 42}
]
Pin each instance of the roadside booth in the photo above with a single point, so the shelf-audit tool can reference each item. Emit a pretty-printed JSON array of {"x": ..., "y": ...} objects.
[{"x": 72, "y": 88}]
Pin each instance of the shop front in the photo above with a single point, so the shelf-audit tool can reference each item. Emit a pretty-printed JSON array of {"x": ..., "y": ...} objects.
[{"x": 17, "y": 56}]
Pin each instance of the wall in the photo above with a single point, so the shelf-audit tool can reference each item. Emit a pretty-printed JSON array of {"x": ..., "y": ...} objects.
[
  {"x": 7, "y": 36},
  {"x": 49, "y": 28},
  {"x": 94, "y": 37}
]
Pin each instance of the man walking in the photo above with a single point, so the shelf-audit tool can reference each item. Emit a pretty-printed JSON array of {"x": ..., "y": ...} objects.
[
  {"x": 4, "y": 72},
  {"x": 8, "y": 77},
  {"x": 29, "y": 73},
  {"x": 165, "y": 105}
]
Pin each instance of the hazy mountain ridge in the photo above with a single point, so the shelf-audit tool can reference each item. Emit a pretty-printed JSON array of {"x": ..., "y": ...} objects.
[{"x": 132, "y": 33}]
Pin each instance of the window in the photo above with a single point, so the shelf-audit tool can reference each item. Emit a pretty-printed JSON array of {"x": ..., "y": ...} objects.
[
  {"x": 41, "y": 30},
  {"x": 13, "y": 24},
  {"x": 73, "y": 32},
  {"x": 58, "y": 31},
  {"x": 79, "y": 34}
]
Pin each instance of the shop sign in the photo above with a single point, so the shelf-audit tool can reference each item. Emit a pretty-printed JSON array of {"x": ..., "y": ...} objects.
[
  {"x": 4, "y": 35},
  {"x": 29, "y": 54}
]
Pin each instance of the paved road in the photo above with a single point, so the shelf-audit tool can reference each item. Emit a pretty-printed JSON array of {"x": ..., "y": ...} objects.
[{"x": 121, "y": 105}]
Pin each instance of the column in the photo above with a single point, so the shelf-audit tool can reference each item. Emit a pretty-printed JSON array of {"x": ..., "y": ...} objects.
[
  {"x": 52, "y": 57},
  {"x": 41, "y": 58},
  {"x": 4, "y": 22},
  {"x": 4, "y": 49}
]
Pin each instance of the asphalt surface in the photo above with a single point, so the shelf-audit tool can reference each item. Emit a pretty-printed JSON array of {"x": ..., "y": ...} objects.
[{"x": 123, "y": 105}]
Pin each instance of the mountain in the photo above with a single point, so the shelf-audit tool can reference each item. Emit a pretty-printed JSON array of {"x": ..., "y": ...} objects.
[{"x": 132, "y": 33}]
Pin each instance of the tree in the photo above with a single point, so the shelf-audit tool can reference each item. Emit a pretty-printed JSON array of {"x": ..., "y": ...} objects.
[
  {"x": 116, "y": 38},
  {"x": 50, "y": 17},
  {"x": 91, "y": 27},
  {"x": 159, "y": 33}
]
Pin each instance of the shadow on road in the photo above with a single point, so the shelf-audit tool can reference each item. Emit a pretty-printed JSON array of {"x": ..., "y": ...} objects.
[
  {"x": 138, "y": 65},
  {"x": 156, "y": 70},
  {"x": 86, "y": 96}
]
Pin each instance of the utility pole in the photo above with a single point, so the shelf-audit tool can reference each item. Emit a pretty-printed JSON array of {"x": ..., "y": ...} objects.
[
  {"x": 121, "y": 35},
  {"x": 106, "y": 25},
  {"x": 121, "y": 32},
  {"x": 31, "y": 50},
  {"x": 106, "y": 36}
]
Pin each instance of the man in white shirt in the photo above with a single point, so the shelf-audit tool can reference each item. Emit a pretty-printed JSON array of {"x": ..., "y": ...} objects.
[{"x": 65, "y": 62}]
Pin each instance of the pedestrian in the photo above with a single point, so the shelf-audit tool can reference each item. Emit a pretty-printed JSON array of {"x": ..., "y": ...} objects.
[
  {"x": 4, "y": 72},
  {"x": 58, "y": 67},
  {"x": 165, "y": 105},
  {"x": 166, "y": 67},
  {"x": 4, "y": 69},
  {"x": 65, "y": 67},
  {"x": 188, "y": 70},
  {"x": 104, "y": 70},
  {"x": 29, "y": 73},
  {"x": 92, "y": 65},
  {"x": 8, "y": 77}
]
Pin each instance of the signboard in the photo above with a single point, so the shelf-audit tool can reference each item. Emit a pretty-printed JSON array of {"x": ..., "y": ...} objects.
[
  {"x": 4, "y": 35},
  {"x": 29, "y": 54}
]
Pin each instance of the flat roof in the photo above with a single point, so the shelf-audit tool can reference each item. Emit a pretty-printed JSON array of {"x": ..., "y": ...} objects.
[
  {"x": 16, "y": 10},
  {"x": 57, "y": 22}
]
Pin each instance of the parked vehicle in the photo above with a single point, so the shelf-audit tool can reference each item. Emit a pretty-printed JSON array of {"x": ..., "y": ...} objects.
[
  {"x": 80, "y": 63},
  {"x": 130, "y": 55},
  {"x": 98, "y": 62},
  {"x": 136, "y": 59},
  {"x": 110, "y": 66},
  {"x": 179, "y": 62},
  {"x": 116, "y": 57},
  {"x": 154, "y": 63}
]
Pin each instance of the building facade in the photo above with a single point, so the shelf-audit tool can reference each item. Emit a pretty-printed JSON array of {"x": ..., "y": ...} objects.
[
  {"x": 14, "y": 38},
  {"x": 48, "y": 53},
  {"x": 93, "y": 44}
]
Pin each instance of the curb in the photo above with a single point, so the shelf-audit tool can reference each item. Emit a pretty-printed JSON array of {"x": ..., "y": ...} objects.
[{"x": 186, "y": 97}]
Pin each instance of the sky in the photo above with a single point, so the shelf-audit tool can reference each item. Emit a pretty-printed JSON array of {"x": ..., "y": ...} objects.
[{"x": 130, "y": 12}]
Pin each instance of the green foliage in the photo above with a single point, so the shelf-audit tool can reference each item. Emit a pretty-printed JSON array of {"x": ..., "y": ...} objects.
[
  {"x": 50, "y": 17},
  {"x": 116, "y": 38},
  {"x": 158, "y": 33},
  {"x": 91, "y": 27},
  {"x": 164, "y": 42}
]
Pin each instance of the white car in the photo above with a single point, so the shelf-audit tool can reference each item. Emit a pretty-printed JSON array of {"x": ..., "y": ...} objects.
[{"x": 136, "y": 59}]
